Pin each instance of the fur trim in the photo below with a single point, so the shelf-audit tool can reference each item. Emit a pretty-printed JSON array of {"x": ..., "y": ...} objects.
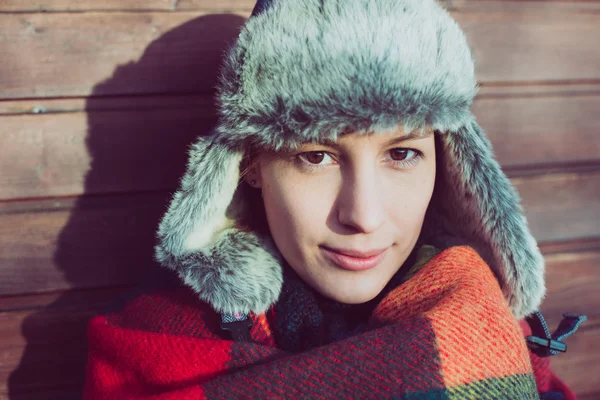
[
  {"x": 483, "y": 207},
  {"x": 234, "y": 271},
  {"x": 241, "y": 273},
  {"x": 309, "y": 70},
  {"x": 288, "y": 79}
]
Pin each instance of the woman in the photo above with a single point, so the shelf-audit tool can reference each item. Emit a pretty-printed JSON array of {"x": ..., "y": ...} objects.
[{"x": 345, "y": 232}]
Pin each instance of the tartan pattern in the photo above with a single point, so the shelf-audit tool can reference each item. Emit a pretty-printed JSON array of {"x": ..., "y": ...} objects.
[
  {"x": 446, "y": 333},
  {"x": 174, "y": 312},
  {"x": 518, "y": 387},
  {"x": 346, "y": 369},
  {"x": 474, "y": 328},
  {"x": 303, "y": 319}
]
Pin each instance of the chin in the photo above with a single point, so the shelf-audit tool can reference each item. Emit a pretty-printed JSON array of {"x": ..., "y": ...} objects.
[{"x": 353, "y": 294}]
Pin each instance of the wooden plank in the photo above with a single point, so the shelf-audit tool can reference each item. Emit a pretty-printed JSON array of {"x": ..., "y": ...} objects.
[
  {"x": 132, "y": 53},
  {"x": 97, "y": 152},
  {"x": 224, "y": 4},
  {"x": 12, "y": 6},
  {"x": 205, "y": 102},
  {"x": 94, "y": 298},
  {"x": 43, "y": 349},
  {"x": 121, "y": 5},
  {"x": 171, "y": 5},
  {"x": 549, "y": 130},
  {"x": 520, "y": 6},
  {"x": 100, "y": 241},
  {"x": 570, "y": 246},
  {"x": 78, "y": 243},
  {"x": 533, "y": 46},
  {"x": 578, "y": 367},
  {"x": 538, "y": 89},
  {"x": 230, "y": 4},
  {"x": 202, "y": 104},
  {"x": 561, "y": 206},
  {"x": 111, "y": 53},
  {"x": 572, "y": 280},
  {"x": 144, "y": 146}
]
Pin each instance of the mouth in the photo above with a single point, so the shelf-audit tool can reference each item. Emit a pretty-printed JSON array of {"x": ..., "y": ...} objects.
[{"x": 354, "y": 260}]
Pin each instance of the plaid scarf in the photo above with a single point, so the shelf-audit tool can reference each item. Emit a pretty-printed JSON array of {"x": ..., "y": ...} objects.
[
  {"x": 303, "y": 319},
  {"x": 445, "y": 332}
]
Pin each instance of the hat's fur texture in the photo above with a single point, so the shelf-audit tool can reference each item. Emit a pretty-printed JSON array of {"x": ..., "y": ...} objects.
[{"x": 308, "y": 70}]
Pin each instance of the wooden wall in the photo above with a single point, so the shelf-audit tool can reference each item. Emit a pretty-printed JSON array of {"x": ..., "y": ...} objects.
[{"x": 99, "y": 100}]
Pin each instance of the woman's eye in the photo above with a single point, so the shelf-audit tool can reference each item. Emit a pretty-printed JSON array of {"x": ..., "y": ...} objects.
[
  {"x": 403, "y": 158},
  {"x": 316, "y": 157},
  {"x": 402, "y": 154}
]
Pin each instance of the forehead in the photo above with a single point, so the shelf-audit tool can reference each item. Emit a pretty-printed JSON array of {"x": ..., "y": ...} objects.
[
  {"x": 383, "y": 138},
  {"x": 351, "y": 139}
]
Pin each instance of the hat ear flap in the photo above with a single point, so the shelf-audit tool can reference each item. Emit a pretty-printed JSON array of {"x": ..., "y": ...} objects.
[
  {"x": 479, "y": 203},
  {"x": 234, "y": 270}
]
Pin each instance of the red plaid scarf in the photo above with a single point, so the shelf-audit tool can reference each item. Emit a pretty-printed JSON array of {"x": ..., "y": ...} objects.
[{"x": 445, "y": 333}]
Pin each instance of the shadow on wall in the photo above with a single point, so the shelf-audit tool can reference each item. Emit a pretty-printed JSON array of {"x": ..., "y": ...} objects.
[{"x": 138, "y": 156}]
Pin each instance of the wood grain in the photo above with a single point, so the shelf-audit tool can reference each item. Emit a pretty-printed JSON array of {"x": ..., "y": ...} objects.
[
  {"x": 111, "y": 53},
  {"x": 58, "y": 244},
  {"x": 570, "y": 246},
  {"x": 43, "y": 349},
  {"x": 13, "y": 6},
  {"x": 520, "y": 6},
  {"x": 533, "y": 47},
  {"x": 180, "y": 52},
  {"x": 561, "y": 206},
  {"x": 537, "y": 89},
  {"x": 572, "y": 281},
  {"x": 202, "y": 104},
  {"x": 578, "y": 367},
  {"x": 97, "y": 152},
  {"x": 142, "y": 144},
  {"x": 118, "y": 103},
  {"x": 132, "y": 5},
  {"x": 120, "y": 5},
  {"x": 544, "y": 130},
  {"x": 96, "y": 241},
  {"x": 172, "y": 5}
]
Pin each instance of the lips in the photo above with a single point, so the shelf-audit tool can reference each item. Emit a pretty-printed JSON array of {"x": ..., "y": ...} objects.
[{"x": 354, "y": 260}]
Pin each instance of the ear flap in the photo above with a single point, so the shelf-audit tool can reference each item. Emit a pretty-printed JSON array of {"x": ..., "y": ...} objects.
[
  {"x": 481, "y": 205},
  {"x": 233, "y": 270}
]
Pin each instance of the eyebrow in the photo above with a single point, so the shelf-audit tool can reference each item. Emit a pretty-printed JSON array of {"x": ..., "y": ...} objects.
[{"x": 411, "y": 136}]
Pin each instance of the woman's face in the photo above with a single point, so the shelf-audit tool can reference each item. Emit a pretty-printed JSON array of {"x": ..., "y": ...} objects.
[{"x": 346, "y": 215}]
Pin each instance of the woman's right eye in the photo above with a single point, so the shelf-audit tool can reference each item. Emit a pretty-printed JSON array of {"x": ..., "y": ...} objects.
[{"x": 316, "y": 158}]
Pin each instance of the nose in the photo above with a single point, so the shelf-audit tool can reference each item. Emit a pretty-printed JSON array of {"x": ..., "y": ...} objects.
[{"x": 360, "y": 203}]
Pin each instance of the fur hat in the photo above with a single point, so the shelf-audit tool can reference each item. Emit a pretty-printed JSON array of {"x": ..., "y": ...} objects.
[{"x": 307, "y": 70}]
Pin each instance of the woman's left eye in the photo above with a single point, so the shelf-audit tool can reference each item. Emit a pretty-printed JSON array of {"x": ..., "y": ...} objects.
[
  {"x": 404, "y": 157},
  {"x": 400, "y": 154}
]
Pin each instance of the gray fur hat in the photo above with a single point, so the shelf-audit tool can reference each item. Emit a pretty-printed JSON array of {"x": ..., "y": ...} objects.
[{"x": 307, "y": 70}]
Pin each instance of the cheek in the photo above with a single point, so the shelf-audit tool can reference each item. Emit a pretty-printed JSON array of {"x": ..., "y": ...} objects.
[
  {"x": 296, "y": 209},
  {"x": 408, "y": 201}
]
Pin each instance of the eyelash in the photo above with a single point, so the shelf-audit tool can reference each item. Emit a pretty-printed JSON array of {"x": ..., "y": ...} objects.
[{"x": 398, "y": 164}]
